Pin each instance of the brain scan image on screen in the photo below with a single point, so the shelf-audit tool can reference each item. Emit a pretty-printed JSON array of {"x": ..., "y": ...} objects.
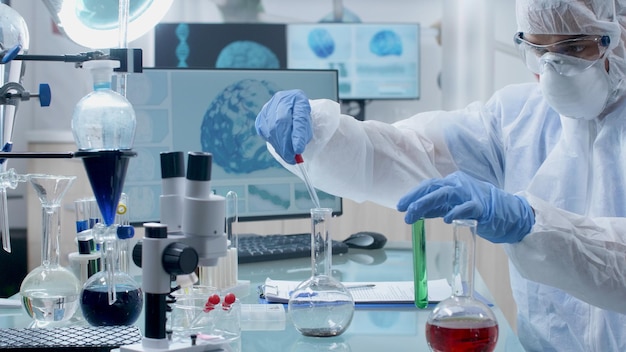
[
  {"x": 321, "y": 42},
  {"x": 373, "y": 60},
  {"x": 214, "y": 110},
  {"x": 386, "y": 43},
  {"x": 228, "y": 126},
  {"x": 246, "y": 54}
]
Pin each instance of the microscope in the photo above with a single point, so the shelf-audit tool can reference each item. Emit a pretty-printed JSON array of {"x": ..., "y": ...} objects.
[{"x": 191, "y": 233}]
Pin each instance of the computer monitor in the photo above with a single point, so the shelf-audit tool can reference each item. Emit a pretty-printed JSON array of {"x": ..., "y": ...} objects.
[
  {"x": 220, "y": 45},
  {"x": 374, "y": 60},
  {"x": 214, "y": 110}
]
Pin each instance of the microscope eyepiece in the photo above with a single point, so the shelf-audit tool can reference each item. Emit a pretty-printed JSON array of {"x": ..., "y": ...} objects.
[
  {"x": 199, "y": 166},
  {"x": 155, "y": 230},
  {"x": 172, "y": 164}
]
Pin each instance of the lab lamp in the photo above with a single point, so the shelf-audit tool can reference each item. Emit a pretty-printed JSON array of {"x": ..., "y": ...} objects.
[{"x": 101, "y": 24}]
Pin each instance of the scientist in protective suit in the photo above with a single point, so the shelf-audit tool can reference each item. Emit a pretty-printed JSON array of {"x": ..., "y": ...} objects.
[{"x": 540, "y": 166}]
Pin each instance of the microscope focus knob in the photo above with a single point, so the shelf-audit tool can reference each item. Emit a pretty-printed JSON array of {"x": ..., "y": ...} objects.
[
  {"x": 179, "y": 259},
  {"x": 136, "y": 255}
]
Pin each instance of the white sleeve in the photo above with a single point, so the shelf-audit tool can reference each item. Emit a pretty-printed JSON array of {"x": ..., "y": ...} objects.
[
  {"x": 585, "y": 257},
  {"x": 364, "y": 161}
]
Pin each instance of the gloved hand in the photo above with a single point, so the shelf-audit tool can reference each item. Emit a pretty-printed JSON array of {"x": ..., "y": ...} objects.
[
  {"x": 502, "y": 217},
  {"x": 285, "y": 122}
]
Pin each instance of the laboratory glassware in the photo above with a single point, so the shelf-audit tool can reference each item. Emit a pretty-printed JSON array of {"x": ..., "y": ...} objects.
[
  {"x": 461, "y": 322},
  {"x": 14, "y": 38},
  {"x": 50, "y": 292},
  {"x": 103, "y": 119},
  {"x": 125, "y": 232},
  {"x": 112, "y": 296},
  {"x": 420, "y": 272},
  {"x": 321, "y": 306},
  {"x": 86, "y": 261},
  {"x": 202, "y": 310},
  {"x": 307, "y": 181},
  {"x": 99, "y": 305}
]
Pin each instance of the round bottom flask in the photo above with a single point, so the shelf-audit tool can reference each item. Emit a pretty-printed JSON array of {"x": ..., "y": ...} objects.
[
  {"x": 50, "y": 294},
  {"x": 94, "y": 300},
  {"x": 321, "y": 306},
  {"x": 462, "y": 323}
]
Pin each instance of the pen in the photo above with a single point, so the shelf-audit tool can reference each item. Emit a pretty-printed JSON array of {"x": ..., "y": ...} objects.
[{"x": 360, "y": 286}]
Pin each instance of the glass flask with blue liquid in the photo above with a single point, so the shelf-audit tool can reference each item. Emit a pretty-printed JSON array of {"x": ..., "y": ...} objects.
[{"x": 103, "y": 125}]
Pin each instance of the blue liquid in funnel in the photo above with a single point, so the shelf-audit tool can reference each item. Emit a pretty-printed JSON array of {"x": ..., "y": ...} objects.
[{"x": 106, "y": 171}]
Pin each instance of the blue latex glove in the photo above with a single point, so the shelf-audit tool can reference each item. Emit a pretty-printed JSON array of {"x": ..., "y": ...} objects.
[
  {"x": 502, "y": 217},
  {"x": 285, "y": 122}
]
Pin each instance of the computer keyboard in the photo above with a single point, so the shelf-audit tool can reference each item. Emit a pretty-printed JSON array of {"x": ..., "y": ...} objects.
[{"x": 260, "y": 248}]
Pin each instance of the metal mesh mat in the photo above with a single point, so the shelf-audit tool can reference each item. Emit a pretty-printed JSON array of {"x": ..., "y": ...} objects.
[{"x": 74, "y": 338}]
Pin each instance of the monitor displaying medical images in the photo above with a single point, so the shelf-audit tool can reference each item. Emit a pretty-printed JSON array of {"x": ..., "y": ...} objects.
[
  {"x": 374, "y": 60},
  {"x": 214, "y": 110},
  {"x": 220, "y": 45}
]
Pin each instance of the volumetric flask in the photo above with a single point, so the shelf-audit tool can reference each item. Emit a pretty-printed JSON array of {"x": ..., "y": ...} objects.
[
  {"x": 462, "y": 323},
  {"x": 321, "y": 306}
]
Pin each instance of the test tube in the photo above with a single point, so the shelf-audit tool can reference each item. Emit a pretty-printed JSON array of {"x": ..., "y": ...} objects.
[
  {"x": 84, "y": 238},
  {"x": 81, "y": 208},
  {"x": 94, "y": 212},
  {"x": 420, "y": 277},
  {"x": 233, "y": 255},
  {"x": 125, "y": 231}
]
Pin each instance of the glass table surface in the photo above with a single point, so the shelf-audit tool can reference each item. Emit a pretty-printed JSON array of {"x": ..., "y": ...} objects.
[{"x": 372, "y": 329}]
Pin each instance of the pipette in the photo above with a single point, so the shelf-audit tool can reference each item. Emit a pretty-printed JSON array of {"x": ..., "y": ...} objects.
[{"x": 307, "y": 181}]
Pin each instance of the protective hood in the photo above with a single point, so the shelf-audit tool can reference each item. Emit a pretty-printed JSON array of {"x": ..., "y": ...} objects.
[{"x": 574, "y": 17}]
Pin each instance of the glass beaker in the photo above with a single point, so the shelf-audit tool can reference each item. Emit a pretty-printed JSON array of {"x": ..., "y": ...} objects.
[
  {"x": 321, "y": 306},
  {"x": 200, "y": 310},
  {"x": 460, "y": 322},
  {"x": 50, "y": 292}
]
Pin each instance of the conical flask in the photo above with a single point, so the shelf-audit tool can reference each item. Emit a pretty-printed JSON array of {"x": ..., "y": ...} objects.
[
  {"x": 50, "y": 292},
  {"x": 461, "y": 322},
  {"x": 321, "y": 306}
]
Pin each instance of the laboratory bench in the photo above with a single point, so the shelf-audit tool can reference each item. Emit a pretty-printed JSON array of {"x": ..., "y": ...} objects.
[{"x": 393, "y": 328}]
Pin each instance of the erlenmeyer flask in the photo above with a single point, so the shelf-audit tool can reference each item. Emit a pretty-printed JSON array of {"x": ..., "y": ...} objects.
[
  {"x": 321, "y": 306},
  {"x": 50, "y": 292},
  {"x": 462, "y": 323}
]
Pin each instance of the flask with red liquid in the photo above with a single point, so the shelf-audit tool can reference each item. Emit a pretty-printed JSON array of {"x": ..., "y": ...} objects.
[{"x": 461, "y": 322}]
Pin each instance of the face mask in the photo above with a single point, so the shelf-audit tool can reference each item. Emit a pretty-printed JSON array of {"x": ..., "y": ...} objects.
[{"x": 581, "y": 96}]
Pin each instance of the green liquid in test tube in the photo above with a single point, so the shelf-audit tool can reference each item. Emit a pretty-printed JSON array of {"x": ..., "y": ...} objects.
[{"x": 420, "y": 278}]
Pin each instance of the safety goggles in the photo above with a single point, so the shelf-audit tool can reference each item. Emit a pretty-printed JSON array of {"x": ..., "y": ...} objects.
[{"x": 572, "y": 56}]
